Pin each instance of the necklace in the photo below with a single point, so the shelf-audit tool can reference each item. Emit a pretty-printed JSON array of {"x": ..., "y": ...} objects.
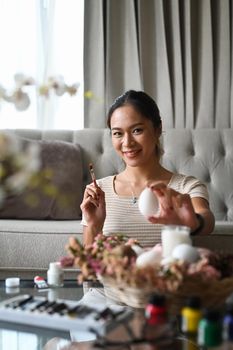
[
  {"x": 134, "y": 197},
  {"x": 134, "y": 200}
]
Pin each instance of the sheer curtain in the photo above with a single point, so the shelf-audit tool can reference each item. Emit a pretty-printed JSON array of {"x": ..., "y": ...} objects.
[
  {"x": 178, "y": 51},
  {"x": 42, "y": 39}
]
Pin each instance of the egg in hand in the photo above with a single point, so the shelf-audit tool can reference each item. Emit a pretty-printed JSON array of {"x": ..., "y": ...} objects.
[{"x": 148, "y": 203}]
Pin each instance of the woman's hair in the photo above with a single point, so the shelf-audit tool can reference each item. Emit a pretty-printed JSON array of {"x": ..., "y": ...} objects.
[{"x": 143, "y": 103}]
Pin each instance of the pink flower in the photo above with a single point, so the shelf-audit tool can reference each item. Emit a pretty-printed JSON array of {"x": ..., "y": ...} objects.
[{"x": 67, "y": 261}]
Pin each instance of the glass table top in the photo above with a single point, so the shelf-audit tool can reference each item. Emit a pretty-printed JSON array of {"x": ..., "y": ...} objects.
[
  {"x": 15, "y": 336},
  {"x": 22, "y": 337},
  {"x": 71, "y": 290}
]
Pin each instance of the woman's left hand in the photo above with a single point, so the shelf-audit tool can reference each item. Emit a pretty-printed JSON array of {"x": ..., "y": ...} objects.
[{"x": 175, "y": 208}]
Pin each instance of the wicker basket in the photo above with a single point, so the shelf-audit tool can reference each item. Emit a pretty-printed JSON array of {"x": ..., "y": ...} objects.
[{"x": 212, "y": 293}]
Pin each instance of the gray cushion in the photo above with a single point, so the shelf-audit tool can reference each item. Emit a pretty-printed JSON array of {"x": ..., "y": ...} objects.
[{"x": 63, "y": 160}]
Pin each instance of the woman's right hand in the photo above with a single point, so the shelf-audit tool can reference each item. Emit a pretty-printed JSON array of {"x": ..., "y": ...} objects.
[{"x": 93, "y": 206}]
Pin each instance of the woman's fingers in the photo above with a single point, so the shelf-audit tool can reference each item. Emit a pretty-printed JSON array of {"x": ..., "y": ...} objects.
[
  {"x": 177, "y": 201},
  {"x": 89, "y": 201},
  {"x": 183, "y": 201},
  {"x": 165, "y": 196},
  {"x": 175, "y": 208},
  {"x": 173, "y": 205},
  {"x": 170, "y": 199},
  {"x": 92, "y": 196},
  {"x": 159, "y": 186},
  {"x": 157, "y": 220},
  {"x": 92, "y": 191}
]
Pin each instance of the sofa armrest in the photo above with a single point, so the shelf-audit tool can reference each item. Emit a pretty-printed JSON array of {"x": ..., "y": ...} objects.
[{"x": 221, "y": 240}]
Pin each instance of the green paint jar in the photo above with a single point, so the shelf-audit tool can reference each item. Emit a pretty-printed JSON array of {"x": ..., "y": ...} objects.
[{"x": 210, "y": 329}]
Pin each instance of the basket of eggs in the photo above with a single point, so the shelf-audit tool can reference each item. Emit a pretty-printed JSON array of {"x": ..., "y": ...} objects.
[{"x": 131, "y": 273}]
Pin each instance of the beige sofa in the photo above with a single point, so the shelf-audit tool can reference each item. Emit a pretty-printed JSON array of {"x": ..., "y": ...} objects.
[{"x": 28, "y": 244}]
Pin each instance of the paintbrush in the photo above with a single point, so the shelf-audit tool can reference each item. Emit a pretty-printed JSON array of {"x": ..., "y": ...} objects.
[{"x": 92, "y": 174}]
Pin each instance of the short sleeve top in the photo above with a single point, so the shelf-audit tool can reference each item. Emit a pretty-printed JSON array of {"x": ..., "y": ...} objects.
[{"x": 123, "y": 215}]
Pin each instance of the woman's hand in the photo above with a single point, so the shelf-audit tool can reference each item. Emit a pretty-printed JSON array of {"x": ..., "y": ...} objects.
[
  {"x": 93, "y": 207},
  {"x": 175, "y": 208}
]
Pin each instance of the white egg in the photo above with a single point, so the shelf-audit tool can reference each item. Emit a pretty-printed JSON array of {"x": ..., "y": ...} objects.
[
  {"x": 148, "y": 203},
  {"x": 148, "y": 258},
  {"x": 167, "y": 261},
  {"x": 185, "y": 252}
]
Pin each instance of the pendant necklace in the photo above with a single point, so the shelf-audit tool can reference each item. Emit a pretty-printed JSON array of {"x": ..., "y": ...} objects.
[{"x": 134, "y": 198}]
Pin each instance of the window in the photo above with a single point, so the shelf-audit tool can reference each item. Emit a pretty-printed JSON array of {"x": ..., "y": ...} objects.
[
  {"x": 10, "y": 339},
  {"x": 42, "y": 38}
]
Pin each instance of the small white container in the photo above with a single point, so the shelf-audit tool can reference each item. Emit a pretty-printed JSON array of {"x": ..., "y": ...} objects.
[
  {"x": 12, "y": 282},
  {"x": 172, "y": 236},
  {"x": 55, "y": 275}
]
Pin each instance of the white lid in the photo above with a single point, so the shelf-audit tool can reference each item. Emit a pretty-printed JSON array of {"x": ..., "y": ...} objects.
[
  {"x": 12, "y": 282},
  {"x": 54, "y": 266}
]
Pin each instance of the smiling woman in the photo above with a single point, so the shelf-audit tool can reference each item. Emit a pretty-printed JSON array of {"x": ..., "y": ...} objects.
[
  {"x": 136, "y": 126},
  {"x": 42, "y": 39}
]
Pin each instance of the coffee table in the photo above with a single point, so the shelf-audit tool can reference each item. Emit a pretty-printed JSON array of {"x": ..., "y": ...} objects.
[{"x": 15, "y": 336}]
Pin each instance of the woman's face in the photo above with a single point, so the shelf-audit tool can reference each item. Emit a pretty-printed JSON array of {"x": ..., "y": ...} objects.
[{"x": 133, "y": 136}]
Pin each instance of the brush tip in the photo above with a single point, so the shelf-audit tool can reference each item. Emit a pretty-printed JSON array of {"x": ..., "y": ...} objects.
[{"x": 90, "y": 166}]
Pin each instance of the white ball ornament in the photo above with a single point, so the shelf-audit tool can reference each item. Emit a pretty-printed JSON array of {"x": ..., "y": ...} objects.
[
  {"x": 149, "y": 258},
  {"x": 148, "y": 203},
  {"x": 167, "y": 261},
  {"x": 185, "y": 252}
]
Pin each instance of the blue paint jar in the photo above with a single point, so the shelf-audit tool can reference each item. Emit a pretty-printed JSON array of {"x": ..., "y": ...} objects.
[{"x": 228, "y": 324}]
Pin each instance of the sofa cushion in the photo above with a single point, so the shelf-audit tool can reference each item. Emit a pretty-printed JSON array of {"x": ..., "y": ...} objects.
[{"x": 57, "y": 193}]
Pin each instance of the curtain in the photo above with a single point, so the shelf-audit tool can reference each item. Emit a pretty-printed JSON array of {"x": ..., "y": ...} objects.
[
  {"x": 59, "y": 28},
  {"x": 178, "y": 51},
  {"x": 45, "y": 107}
]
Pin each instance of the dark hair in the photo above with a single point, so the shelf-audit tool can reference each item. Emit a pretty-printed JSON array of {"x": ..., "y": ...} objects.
[{"x": 142, "y": 102}]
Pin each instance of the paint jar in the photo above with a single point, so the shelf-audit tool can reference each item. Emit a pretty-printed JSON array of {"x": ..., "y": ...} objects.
[
  {"x": 191, "y": 315},
  {"x": 55, "y": 275},
  {"x": 228, "y": 324},
  {"x": 156, "y": 311},
  {"x": 210, "y": 329}
]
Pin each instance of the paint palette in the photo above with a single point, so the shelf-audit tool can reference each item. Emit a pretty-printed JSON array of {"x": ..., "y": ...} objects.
[{"x": 66, "y": 315}]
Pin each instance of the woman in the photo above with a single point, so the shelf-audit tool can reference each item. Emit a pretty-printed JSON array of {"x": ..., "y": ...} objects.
[{"x": 110, "y": 205}]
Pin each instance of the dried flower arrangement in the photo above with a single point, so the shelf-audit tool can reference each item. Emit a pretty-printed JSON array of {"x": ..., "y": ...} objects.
[{"x": 112, "y": 259}]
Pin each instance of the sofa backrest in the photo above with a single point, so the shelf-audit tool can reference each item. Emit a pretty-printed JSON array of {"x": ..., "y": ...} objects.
[{"x": 204, "y": 153}]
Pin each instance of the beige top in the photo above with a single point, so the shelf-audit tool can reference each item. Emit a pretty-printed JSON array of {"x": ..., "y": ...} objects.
[{"x": 123, "y": 216}]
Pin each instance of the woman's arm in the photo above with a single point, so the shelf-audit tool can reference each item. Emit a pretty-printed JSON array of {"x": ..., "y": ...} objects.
[
  {"x": 89, "y": 234},
  {"x": 201, "y": 207},
  {"x": 94, "y": 212}
]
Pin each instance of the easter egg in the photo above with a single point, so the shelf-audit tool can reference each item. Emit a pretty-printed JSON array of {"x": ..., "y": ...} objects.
[
  {"x": 149, "y": 258},
  {"x": 185, "y": 252},
  {"x": 148, "y": 203},
  {"x": 167, "y": 261}
]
